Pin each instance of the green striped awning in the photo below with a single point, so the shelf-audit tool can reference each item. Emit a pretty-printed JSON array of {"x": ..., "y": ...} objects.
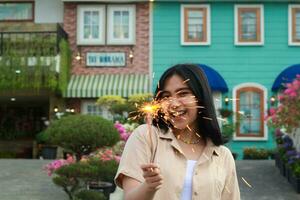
[{"x": 94, "y": 86}]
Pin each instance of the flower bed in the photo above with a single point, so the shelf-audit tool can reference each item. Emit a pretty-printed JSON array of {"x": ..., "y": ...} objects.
[{"x": 287, "y": 159}]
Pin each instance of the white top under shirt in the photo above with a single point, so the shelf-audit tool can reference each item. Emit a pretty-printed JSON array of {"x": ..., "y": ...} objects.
[{"x": 188, "y": 181}]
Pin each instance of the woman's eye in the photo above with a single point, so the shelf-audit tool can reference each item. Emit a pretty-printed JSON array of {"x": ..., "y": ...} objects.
[
  {"x": 165, "y": 96},
  {"x": 183, "y": 94}
]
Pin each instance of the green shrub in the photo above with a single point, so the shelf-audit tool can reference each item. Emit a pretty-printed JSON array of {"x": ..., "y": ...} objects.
[
  {"x": 8, "y": 154},
  {"x": 42, "y": 137},
  {"x": 254, "y": 153},
  {"x": 105, "y": 170},
  {"x": 82, "y": 134}
]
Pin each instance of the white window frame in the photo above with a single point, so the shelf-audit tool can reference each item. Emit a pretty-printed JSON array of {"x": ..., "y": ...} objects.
[
  {"x": 80, "y": 10},
  {"x": 132, "y": 23},
  {"x": 236, "y": 26},
  {"x": 85, "y": 103},
  {"x": 234, "y": 104},
  {"x": 182, "y": 25},
  {"x": 290, "y": 28}
]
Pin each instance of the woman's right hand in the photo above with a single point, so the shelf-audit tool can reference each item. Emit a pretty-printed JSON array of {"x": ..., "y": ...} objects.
[{"x": 152, "y": 176}]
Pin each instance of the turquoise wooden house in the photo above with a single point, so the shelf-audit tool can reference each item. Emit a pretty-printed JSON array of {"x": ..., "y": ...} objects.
[{"x": 248, "y": 49}]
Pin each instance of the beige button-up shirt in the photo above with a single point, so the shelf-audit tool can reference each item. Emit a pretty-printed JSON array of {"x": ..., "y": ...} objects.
[{"x": 214, "y": 175}]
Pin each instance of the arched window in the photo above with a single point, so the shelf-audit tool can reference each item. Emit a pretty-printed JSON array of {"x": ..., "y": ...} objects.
[{"x": 250, "y": 110}]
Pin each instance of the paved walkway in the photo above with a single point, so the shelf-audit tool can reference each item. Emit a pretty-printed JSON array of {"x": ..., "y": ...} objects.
[{"x": 25, "y": 180}]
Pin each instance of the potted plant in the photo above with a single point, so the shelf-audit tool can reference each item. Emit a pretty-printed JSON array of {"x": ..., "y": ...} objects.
[
  {"x": 294, "y": 170},
  {"x": 45, "y": 150},
  {"x": 252, "y": 153},
  {"x": 225, "y": 113},
  {"x": 81, "y": 135}
]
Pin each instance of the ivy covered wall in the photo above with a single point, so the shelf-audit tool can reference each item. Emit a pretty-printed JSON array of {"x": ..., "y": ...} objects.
[{"x": 32, "y": 62}]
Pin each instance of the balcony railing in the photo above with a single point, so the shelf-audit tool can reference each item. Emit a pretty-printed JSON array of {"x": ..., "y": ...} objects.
[{"x": 42, "y": 43}]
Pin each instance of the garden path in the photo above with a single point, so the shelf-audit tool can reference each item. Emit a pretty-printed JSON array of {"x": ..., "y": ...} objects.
[{"x": 25, "y": 180}]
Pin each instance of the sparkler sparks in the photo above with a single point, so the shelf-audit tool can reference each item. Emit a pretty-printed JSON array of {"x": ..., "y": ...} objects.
[{"x": 246, "y": 182}]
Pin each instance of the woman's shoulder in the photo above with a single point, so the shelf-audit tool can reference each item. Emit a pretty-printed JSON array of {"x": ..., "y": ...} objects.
[
  {"x": 224, "y": 152},
  {"x": 142, "y": 131}
]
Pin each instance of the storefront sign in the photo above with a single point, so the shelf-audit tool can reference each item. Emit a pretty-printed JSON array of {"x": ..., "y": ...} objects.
[{"x": 105, "y": 59}]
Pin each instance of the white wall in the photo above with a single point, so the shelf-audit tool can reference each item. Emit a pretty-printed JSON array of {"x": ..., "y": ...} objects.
[{"x": 48, "y": 11}]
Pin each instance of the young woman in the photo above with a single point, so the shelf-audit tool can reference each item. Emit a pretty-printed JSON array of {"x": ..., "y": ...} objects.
[{"x": 183, "y": 159}]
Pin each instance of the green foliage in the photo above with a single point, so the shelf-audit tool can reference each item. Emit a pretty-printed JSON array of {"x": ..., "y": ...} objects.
[
  {"x": 109, "y": 100},
  {"x": 42, "y": 138},
  {"x": 228, "y": 130},
  {"x": 65, "y": 65},
  {"x": 254, "y": 153},
  {"x": 11, "y": 134},
  {"x": 7, "y": 154},
  {"x": 82, "y": 134},
  {"x": 139, "y": 98},
  {"x": 89, "y": 195},
  {"x": 105, "y": 170},
  {"x": 29, "y": 63},
  {"x": 225, "y": 113},
  {"x": 74, "y": 177}
]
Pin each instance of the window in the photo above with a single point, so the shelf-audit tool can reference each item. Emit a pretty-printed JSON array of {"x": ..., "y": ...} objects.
[
  {"x": 195, "y": 24},
  {"x": 121, "y": 24},
  {"x": 91, "y": 24},
  {"x": 91, "y": 108},
  {"x": 249, "y": 25},
  {"x": 250, "y": 108},
  {"x": 16, "y": 11},
  {"x": 294, "y": 24}
]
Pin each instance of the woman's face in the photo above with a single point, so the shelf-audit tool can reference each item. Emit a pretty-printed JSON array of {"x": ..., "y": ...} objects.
[{"x": 179, "y": 103}]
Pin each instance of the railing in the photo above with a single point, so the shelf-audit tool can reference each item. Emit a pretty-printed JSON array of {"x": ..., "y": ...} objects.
[{"x": 42, "y": 42}]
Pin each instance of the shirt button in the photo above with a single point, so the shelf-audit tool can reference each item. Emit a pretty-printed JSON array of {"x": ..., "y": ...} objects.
[{"x": 195, "y": 193}]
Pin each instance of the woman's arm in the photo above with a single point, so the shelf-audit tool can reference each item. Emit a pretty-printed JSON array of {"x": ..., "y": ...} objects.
[{"x": 135, "y": 190}]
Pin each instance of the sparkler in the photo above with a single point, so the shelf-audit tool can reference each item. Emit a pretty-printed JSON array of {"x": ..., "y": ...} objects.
[
  {"x": 150, "y": 111},
  {"x": 246, "y": 183}
]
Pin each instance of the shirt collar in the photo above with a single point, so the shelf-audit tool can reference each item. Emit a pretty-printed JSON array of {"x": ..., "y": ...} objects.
[{"x": 210, "y": 149}]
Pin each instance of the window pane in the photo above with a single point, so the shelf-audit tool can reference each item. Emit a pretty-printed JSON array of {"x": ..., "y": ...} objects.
[
  {"x": 250, "y": 107},
  {"x": 195, "y": 25},
  {"x": 121, "y": 24},
  {"x": 249, "y": 31},
  {"x": 117, "y": 31},
  {"x": 87, "y": 17},
  {"x": 91, "y": 24},
  {"x": 95, "y": 32},
  {"x": 125, "y": 31},
  {"x": 125, "y": 18},
  {"x": 297, "y": 17},
  {"x": 87, "y": 32},
  {"x": 117, "y": 18},
  {"x": 16, "y": 11},
  {"x": 95, "y": 18}
]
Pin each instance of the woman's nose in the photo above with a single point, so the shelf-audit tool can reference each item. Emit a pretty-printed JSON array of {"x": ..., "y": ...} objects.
[{"x": 174, "y": 103}]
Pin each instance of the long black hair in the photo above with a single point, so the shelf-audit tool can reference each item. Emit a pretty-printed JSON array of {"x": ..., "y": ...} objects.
[{"x": 198, "y": 83}]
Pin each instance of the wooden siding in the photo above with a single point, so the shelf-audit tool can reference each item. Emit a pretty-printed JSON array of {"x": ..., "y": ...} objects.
[{"x": 237, "y": 64}]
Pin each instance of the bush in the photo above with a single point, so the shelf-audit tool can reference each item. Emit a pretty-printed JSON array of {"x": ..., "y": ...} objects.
[
  {"x": 254, "y": 153},
  {"x": 8, "y": 154},
  {"x": 105, "y": 170},
  {"x": 41, "y": 138},
  {"x": 82, "y": 134}
]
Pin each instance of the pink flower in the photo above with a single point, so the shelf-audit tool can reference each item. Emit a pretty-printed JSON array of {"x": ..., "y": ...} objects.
[
  {"x": 122, "y": 131},
  {"x": 272, "y": 111},
  {"x": 54, "y": 165},
  {"x": 287, "y": 114}
]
